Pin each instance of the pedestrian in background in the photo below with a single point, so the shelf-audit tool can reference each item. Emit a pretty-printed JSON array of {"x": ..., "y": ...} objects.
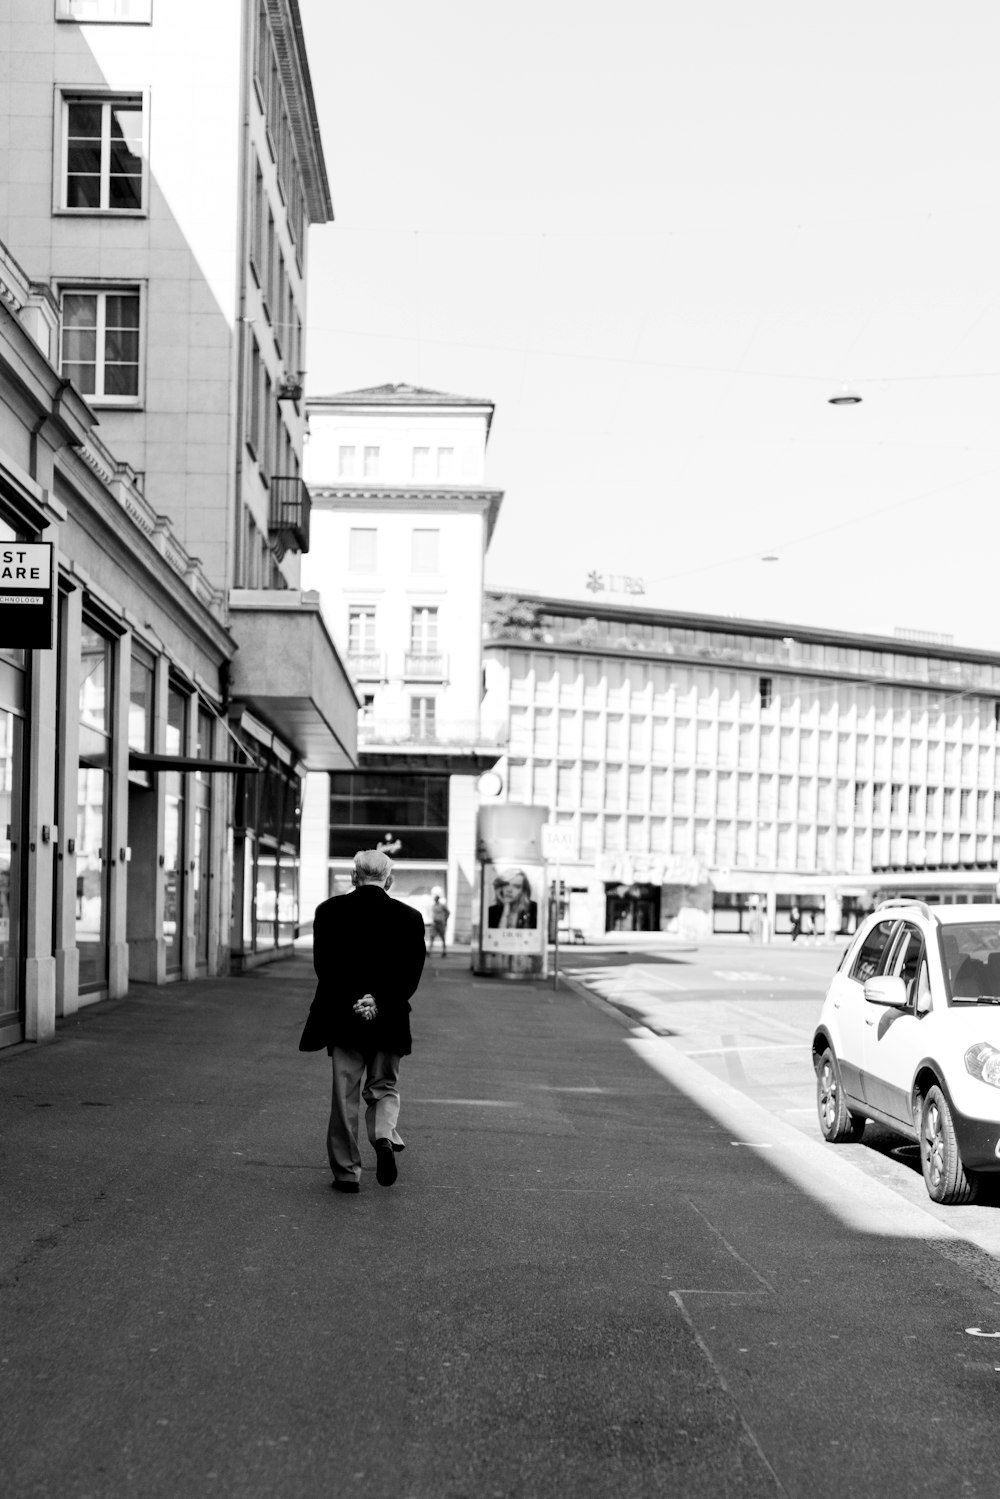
[
  {"x": 796, "y": 923},
  {"x": 438, "y": 925},
  {"x": 368, "y": 952}
]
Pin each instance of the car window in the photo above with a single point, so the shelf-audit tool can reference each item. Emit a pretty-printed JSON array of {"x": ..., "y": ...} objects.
[
  {"x": 908, "y": 961},
  {"x": 971, "y": 952},
  {"x": 873, "y": 951}
]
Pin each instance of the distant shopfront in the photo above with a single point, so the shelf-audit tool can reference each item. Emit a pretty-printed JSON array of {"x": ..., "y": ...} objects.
[
  {"x": 266, "y": 832},
  {"x": 407, "y": 815}
]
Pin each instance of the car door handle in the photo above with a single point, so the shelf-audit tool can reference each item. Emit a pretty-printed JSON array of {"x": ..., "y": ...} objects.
[{"x": 869, "y": 1022}]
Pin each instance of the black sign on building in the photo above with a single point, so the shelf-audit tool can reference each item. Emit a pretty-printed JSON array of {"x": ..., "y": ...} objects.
[{"x": 26, "y": 595}]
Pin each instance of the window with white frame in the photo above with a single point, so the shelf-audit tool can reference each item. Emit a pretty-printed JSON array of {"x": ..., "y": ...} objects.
[
  {"x": 423, "y": 717},
  {"x": 361, "y": 630},
  {"x": 123, "y": 11},
  {"x": 425, "y": 550},
  {"x": 423, "y": 630},
  {"x": 371, "y": 460},
  {"x": 446, "y": 463},
  {"x": 345, "y": 462},
  {"x": 100, "y": 342},
  {"x": 361, "y": 549},
  {"x": 103, "y": 153},
  {"x": 421, "y": 463}
]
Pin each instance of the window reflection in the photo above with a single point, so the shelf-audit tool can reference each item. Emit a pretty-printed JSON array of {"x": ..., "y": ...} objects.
[
  {"x": 93, "y": 805},
  {"x": 94, "y": 650},
  {"x": 173, "y": 831},
  {"x": 10, "y": 772}
]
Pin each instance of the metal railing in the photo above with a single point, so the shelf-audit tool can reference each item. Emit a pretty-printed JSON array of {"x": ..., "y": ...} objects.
[
  {"x": 291, "y": 505},
  {"x": 366, "y": 666},
  {"x": 439, "y": 732},
  {"x": 425, "y": 666}
]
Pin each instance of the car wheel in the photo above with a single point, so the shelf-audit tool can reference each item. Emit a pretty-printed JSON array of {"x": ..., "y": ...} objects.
[
  {"x": 835, "y": 1118},
  {"x": 944, "y": 1175}
]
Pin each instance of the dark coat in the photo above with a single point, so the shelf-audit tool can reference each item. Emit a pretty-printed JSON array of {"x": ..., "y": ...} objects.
[{"x": 364, "y": 943}]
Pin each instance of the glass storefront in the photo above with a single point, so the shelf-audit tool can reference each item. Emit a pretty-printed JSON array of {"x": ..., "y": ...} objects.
[
  {"x": 93, "y": 803},
  {"x": 11, "y": 1010},
  {"x": 173, "y": 830},
  {"x": 201, "y": 853},
  {"x": 267, "y": 812}
]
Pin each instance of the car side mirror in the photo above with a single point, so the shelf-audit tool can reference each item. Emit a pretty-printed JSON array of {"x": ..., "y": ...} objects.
[{"x": 886, "y": 991}]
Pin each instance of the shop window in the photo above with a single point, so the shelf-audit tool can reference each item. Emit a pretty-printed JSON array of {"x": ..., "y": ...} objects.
[
  {"x": 140, "y": 710},
  {"x": 410, "y": 809},
  {"x": 174, "y": 851},
  {"x": 93, "y": 806}
]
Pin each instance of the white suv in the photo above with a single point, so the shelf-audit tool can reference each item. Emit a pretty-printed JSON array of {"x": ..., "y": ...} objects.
[{"x": 909, "y": 1035}]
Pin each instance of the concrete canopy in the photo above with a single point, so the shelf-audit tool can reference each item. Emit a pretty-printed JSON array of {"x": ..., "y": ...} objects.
[{"x": 287, "y": 672}]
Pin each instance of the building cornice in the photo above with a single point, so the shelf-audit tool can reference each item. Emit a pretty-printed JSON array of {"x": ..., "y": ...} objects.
[
  {"x": 396, "y": 498},
  {"x": 293, "y": 64},
  {"x": 377, "y": 399},
  {"x": 726, "y": 624}
]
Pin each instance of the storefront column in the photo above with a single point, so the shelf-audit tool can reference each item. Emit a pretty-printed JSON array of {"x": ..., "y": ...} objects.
[
  {"x": 67, "y": 955},
  {"x": 118, "y": 965},
  {"x": 314, "y": 844},
  {"x": 189, "y": 944},
  {"x": 40, "y": 962},
  {"x": 463, "y": 802}
]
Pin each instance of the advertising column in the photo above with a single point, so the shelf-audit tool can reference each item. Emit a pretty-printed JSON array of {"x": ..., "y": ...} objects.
[{"x": 511, "y": 939}]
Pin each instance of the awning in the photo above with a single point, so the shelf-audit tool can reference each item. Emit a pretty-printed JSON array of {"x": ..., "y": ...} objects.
[{"x": 137, "y": 760}]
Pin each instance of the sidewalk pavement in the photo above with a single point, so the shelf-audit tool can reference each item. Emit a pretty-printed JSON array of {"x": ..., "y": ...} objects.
[{"x": 188, "y": 1310}]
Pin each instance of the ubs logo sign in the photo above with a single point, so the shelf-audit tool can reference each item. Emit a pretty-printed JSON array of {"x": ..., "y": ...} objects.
[{"x": 26, "y": 595}]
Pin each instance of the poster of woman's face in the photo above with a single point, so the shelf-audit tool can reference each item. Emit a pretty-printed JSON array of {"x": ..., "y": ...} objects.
[{"x": 510, "y": 920}]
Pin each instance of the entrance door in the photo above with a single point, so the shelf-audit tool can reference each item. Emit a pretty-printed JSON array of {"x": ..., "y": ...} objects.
[
  {"x": 174, "y": 847},
  {"x": 633, "y": 908},
  {"x": 93, "y": 808},
  {"x": 11, "y": 1004}
]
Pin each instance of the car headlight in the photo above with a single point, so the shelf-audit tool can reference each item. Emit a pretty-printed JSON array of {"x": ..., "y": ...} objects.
[{"x": 983, "y": 1061}]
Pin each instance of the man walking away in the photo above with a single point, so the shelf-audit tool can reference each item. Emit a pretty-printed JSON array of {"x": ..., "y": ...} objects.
[
  {"x": 439, "y": 924},
  {"x": 368, "y": 952}
]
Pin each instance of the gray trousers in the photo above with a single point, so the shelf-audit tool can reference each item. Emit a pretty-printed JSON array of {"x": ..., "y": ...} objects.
[{"x": 381, "y": 1096}]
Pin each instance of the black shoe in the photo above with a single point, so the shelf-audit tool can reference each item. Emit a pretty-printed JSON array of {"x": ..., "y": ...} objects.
[
  {"x": 385, "y": 1169},
  {"x": 339, "y": 1186}
]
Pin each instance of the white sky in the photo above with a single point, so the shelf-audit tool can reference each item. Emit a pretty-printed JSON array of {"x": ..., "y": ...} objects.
[{"x": 659, "y": 236}]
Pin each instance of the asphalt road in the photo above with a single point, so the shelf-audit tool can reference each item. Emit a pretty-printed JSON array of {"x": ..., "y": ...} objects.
[{"x": 616, "y": 1263}]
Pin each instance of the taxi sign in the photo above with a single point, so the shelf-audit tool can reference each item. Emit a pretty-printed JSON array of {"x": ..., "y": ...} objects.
[{"x": 558, "y": 841}]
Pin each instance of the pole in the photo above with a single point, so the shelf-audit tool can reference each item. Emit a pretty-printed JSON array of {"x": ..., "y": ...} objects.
[{"x": 555, "y": 970}]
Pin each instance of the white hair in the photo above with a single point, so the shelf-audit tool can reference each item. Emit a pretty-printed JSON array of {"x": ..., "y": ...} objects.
[{"x": 371, "y": 867}]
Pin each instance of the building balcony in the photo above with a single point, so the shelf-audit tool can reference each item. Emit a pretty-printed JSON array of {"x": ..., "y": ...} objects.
[
  {"x": 366, "y": 666},
  {"x": 425, "y": 666},
  {"x": 288, "y": 521},
  {"x": 455, "y": 746}
]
